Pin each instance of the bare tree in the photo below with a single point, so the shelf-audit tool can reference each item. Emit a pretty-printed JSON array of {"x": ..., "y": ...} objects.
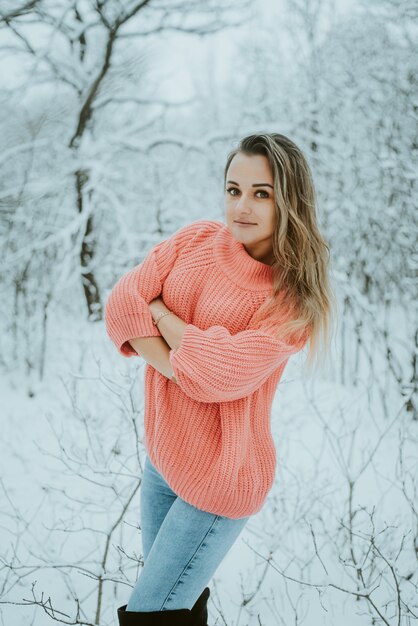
[{"x": 92, "y": 35}]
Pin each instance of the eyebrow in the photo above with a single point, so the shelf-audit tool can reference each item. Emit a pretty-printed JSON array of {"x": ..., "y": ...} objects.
[{"x": 255, "y": 184}]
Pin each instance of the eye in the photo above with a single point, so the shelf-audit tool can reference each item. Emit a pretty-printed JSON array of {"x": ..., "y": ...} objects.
[{"x": 230, "y": 189}]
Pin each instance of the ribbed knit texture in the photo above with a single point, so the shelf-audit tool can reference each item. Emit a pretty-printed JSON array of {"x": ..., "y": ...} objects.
[{"x": 209, "y": 435}]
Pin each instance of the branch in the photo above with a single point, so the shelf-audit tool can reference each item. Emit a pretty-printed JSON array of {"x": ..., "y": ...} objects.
[{"x": 27, "y": 8}]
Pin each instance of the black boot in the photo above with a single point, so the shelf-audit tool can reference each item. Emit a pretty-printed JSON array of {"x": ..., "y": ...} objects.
[
  {"x": 200, "y": 609},
  {"x": 197, "y": 616},
  {"x": 177, "y": 617}
]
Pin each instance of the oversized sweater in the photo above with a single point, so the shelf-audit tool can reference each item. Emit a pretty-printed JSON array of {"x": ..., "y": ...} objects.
[{"x": 209, "y": 435}]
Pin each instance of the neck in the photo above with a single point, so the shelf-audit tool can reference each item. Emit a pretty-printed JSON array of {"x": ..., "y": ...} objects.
[{"x": 267, "y": 259}]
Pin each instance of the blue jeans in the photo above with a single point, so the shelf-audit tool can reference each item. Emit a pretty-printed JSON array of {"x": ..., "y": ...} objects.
[{"x": 182, "y": 547}]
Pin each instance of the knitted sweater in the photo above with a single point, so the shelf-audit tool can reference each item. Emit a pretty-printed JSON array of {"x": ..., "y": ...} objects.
[{"x": 208, "y": 435}]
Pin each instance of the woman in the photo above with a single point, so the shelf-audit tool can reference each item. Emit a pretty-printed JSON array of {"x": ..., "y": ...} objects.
[{"x": 216, "y": 310}]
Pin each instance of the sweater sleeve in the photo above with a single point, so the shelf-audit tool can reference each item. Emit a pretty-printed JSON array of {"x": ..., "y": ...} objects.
[
  {"x": 126, "y": 311},
  {"x": 214, "y": 366}
]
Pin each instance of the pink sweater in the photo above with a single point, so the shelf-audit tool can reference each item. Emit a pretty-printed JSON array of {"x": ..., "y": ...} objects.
[{"x": 209, "y": 435}]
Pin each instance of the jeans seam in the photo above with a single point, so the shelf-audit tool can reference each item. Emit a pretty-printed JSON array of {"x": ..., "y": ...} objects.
[{"x": 186, "y": 567}]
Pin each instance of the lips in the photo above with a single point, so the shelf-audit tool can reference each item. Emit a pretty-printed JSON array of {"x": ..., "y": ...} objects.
[{"x": 239, "y": 222}]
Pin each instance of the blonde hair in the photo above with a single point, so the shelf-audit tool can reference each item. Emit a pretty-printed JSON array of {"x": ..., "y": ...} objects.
[{"x": 301, "y": 307}]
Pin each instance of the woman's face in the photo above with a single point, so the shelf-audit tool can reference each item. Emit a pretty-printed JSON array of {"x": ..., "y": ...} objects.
[{"x": 249, "y": 197}]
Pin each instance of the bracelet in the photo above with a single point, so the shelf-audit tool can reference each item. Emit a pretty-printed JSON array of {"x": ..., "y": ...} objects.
[{"x": 160, "y": 316}]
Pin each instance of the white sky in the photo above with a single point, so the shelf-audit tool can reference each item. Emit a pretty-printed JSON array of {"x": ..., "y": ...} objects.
[{"x": 190, "y": 52}]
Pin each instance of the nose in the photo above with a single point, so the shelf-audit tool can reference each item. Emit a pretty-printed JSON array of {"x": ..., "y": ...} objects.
[{"x": 242, "y": 203}]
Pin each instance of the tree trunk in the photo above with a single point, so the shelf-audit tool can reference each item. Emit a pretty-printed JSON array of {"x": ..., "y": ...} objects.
[{"x": 90, "y": 286}]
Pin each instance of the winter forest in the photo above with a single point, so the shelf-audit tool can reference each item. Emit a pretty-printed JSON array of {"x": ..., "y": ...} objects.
[{"x": 116, "y": 118}]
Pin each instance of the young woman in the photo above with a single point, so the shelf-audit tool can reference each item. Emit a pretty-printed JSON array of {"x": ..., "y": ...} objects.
[{"x": 216, "y": 310}]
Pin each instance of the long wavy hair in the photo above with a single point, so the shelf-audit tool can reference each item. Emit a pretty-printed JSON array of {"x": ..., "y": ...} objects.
[{"x": 301, "y": 309}]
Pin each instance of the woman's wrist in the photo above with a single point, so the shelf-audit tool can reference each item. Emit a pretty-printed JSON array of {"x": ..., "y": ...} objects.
[
  {"x": 159, "y": 316},
  {"x": 171, "y": 327},
  {"x": 157, "y": 306}
]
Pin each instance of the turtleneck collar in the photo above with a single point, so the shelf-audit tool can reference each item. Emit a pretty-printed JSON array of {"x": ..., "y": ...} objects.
[{"x": 238, "y": 265}]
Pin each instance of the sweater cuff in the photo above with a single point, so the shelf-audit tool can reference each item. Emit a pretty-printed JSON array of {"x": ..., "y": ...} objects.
[
  {"x": 130, "y": 327},
  {"x": 183, "y": 359}
]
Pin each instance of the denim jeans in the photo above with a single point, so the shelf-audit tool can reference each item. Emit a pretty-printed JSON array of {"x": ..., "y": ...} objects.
[{"x": 182, "y": 546}]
